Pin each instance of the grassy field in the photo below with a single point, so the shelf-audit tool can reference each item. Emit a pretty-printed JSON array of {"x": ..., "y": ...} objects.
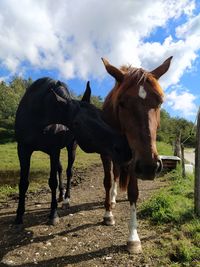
[{"x": 39, "y": 171}]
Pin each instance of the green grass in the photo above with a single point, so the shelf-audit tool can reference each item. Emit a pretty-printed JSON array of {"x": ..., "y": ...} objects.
[
  {"x": 171, "y": 210},
  {"x": 39, "y": 171},
  {"x": 164, "y": 149}
]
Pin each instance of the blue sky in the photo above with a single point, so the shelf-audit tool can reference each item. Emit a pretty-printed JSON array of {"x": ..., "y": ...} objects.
[{"x": 65, "y": 39}]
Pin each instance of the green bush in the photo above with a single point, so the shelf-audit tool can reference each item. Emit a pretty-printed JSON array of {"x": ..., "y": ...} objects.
[{"x": 171, "y": 204}]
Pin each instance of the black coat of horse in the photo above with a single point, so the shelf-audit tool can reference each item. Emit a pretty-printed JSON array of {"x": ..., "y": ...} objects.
[{"x": 48, "y": 119}]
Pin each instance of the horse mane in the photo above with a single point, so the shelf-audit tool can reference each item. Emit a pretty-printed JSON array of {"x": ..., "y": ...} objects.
[{"x": 137, "y": 76}]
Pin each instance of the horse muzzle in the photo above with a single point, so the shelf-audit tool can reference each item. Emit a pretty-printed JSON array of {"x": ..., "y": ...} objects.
[{"x": 148, "y": 171}]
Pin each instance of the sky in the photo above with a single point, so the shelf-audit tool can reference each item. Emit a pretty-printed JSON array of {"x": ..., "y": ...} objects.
[{"x": 65, "y": 40}]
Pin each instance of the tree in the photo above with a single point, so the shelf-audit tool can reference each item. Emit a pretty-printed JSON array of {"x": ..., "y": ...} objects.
[{"x": 171, "y": 128}]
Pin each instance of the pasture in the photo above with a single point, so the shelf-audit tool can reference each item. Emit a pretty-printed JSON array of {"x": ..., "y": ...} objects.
[{"x": 170, "y": 234}]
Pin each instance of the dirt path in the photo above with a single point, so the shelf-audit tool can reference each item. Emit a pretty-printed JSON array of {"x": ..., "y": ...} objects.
[{"x": 79, "y": 239}]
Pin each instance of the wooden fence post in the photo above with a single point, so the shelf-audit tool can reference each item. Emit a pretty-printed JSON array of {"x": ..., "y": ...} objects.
[
  {"x": 177, "y": 145},
  {"x": 197, "y": 169},
  {"x": 183, "y": 161}
]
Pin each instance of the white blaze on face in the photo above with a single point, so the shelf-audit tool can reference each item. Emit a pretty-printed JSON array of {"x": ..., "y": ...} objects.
[{"x": 142, "y": 93}]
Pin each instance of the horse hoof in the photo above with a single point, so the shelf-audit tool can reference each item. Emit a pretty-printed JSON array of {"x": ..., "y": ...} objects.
[
  {"x": 65, "y": 206},
  {"x": 54, "y": 221},
  {"x": 109, "y": 221},
  {"x": 113, "y": 205},
  {"x": 134, "y": 247},
  {"x": 18, "y": 227}
]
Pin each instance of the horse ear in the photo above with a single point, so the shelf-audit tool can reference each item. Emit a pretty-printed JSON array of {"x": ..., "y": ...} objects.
[
  {"x": 87, "y": 93},
  {"x": 159, "y": 71},
  {"x": 113, "y": 71},
  {"x": 59, "y": 98}
]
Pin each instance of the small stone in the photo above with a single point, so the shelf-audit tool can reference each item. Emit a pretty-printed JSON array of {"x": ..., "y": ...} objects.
[
  {"x": 8, "y": 262},
  {"x": 35, "y": 261}
]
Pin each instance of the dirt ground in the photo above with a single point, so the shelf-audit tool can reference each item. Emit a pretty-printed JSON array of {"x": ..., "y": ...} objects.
[{"x": 80, "y": 238}]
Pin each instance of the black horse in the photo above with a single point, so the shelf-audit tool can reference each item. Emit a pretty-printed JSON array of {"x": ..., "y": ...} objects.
[{"x": 48, "y": 119}]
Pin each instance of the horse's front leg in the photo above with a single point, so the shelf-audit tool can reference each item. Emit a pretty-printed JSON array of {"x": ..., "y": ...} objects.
[
  {"x": 113, "y": 193},
  {"x": 71, "y": 149},
  {"x": 108, "y": 218},
  {"x": 24, "y": 154},
  {"x": 53, "y": 183},
  {"x": 133, "y": 244}
]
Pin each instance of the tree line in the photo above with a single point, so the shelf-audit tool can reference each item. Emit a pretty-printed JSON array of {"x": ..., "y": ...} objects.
[{"x": 11, "y": 93}]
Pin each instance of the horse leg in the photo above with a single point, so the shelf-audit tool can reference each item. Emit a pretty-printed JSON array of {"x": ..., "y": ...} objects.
[
  {"x": 133, "y": 244},
  {"x": 61, "y": 185},
  {"x": 24, "y": 155},
  {"x": 53, "y": 183},
  {"x": 113, "y": 192},
  {"x": 71, "y": 149},
  {"x": 108, "y": 218}
]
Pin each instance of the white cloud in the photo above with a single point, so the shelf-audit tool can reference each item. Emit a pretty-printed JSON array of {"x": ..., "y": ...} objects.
[
  {"x": 182, "y": 101},
  {"x": 71, "y": 37},
  {"x": 184, "y": 53},
  {"x": 75, "y": 34},
  {"x": 191, "y": 28}
]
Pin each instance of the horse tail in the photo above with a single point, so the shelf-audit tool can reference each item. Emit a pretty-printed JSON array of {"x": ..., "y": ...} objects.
[{"x": 124, "y": 178}]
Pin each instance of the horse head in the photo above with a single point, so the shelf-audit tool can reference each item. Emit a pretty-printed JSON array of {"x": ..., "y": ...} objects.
[
  {"x": 133, "y": 107},
  {"x": 89, "y": 129}
]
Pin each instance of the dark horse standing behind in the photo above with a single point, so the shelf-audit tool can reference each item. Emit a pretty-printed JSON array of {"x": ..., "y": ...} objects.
[
  {"x": 43, "y": 119},
  {"x": 133, "y": 108}
]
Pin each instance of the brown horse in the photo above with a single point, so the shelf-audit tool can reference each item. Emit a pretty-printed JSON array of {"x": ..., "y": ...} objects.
[{"x": 133, "y": 108}]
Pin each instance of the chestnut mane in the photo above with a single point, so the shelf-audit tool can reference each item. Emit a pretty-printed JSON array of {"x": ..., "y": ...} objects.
[{"x": 133, "y": 76}]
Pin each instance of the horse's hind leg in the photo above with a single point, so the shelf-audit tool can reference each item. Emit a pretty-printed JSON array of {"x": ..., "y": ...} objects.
[
  {"x": 71, "y": 149},
  {"x": 61, "y": 185},
  {"x": 108, "y": 218},
  {"x": 53, "y": 183},
  {"x": 24, "y": 154}
]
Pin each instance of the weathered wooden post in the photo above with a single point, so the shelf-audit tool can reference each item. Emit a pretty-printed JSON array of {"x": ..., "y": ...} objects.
[
  {"x": 177, "y": 145},
  {"x": 197, "y": 169},
  {"x": 183, "y": 161}
]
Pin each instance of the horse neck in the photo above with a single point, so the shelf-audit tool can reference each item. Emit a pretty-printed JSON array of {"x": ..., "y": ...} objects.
[{"x": 109, "y": 115}]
